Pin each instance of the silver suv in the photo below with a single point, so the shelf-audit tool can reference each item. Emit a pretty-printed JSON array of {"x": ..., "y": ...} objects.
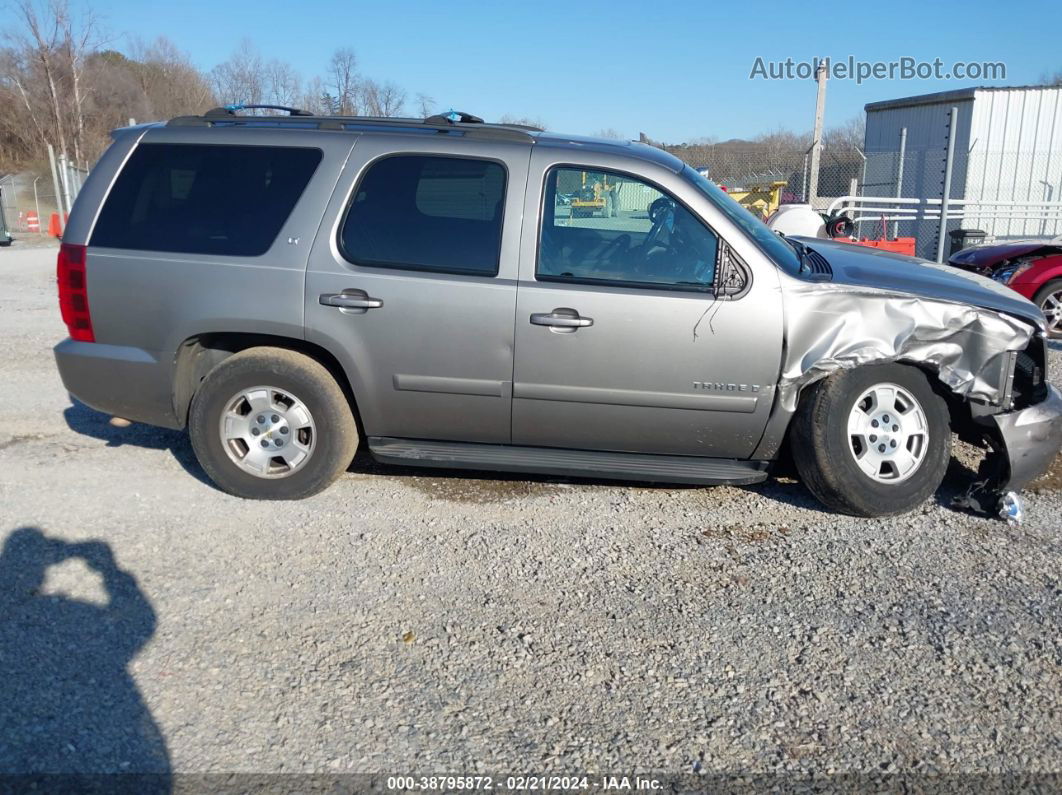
[{"x": 460, "y": 294}]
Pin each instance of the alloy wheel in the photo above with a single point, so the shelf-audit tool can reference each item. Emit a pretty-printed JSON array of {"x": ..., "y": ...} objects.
[
  {"x": 267, "y": 431},
  {"x": 888, "y": 433}
]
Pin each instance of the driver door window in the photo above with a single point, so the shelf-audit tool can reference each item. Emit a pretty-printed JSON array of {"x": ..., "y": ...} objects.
[{"x": 606, "y": 227}]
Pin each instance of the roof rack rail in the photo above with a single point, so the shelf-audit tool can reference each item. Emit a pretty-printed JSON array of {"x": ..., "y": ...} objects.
[{"x": 450, "y": 123}]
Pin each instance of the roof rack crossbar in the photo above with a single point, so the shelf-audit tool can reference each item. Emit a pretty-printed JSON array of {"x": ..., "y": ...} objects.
[
  {"x": 453, "y": 117},
  {"x": 230, "y": 110}
]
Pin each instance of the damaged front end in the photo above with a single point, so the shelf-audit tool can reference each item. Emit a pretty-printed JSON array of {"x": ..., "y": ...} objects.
[
  {"x": 990, "y": 362},
  {"x": 1023, "y": 435}
]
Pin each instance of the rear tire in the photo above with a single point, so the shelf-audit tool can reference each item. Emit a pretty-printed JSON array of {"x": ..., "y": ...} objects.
[
  {"x": 1049, "y": 299},
  {"x": 831, "y": 432},
  {"x": 263, "y": 391}
]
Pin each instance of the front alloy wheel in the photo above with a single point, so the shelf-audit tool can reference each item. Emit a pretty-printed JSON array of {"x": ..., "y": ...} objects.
[
  {"x": 888, "y": 433},
  {"x": 872, "y": 441}
]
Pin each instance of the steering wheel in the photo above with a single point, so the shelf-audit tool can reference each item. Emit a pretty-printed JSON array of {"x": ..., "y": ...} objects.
[
  {"x": 659, "y": 205},
  {"x": 661, "y": 212}
]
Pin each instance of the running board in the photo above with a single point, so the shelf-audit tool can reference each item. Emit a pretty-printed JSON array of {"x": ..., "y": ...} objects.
[{"x": 575, "y": 463}]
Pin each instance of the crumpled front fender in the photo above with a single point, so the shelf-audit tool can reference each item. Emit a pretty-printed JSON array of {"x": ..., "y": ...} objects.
[{"x": 831, "y": 327}]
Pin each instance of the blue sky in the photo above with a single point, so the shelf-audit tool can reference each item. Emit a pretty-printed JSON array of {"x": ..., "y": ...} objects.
[{"x": 676, "y": 71}]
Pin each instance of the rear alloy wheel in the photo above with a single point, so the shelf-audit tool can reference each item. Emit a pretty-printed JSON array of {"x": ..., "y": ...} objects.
[
  {"x": 268, "y": 432},
  {"x": 272, "y": 424},
  {"x": 1049, "y": 299},
  {"x": 872, "y": 441}
]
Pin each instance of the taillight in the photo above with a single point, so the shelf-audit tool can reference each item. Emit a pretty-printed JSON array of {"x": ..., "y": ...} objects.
[{"x": 73, "y": 292}]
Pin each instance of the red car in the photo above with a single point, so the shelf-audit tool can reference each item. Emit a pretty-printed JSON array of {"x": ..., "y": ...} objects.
[{"x": 1031, "y": 267}]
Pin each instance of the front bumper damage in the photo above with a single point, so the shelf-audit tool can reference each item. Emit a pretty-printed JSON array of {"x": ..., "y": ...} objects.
[
  {"x": 971, "y": 351},
  {"x": 1022, "y": 445}
]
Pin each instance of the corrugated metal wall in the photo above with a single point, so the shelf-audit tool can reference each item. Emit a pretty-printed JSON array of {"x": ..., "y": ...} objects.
[
  {"x": 1015, "y": 153},
  {"x": 925, "y": 155},
  {"x": 1008, "y": 146}
]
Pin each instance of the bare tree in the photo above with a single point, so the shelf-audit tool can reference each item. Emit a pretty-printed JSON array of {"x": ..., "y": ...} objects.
[
  {"x": 526, "y": 121},
  {"x": 847, "y": 136},
  {"x": 425, "y": 105},
  {"x": 343, "y": 81},
  {"x": 169, "y": 82},
  {"x": 609, "y": 133},
  {"x": 314, "y": 97},
  {"x": 16, "y": 82},
  {"x": 385, "y": 99},
  {"x": 282, "y": 83},
  {"x": 42, "y": 45},
  {"x": 57, "y": 86},
  {"x": 23, "y": 123},
  {"x": 79, "y": 39},
  {"x": 1051, "y": 79},
  {"x": 242, "y": 78}
]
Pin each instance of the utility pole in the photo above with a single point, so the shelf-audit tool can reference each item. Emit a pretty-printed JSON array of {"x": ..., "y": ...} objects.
[{"x": 816, "y": 142}]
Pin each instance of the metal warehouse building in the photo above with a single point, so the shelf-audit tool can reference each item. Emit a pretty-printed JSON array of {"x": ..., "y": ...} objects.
[{"x": 1006, "y": 169}]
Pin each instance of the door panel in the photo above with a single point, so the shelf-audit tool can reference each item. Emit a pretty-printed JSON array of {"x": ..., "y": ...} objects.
[
  {"x": 660, "y": 370},
  {"x": 434, "y": 359}
]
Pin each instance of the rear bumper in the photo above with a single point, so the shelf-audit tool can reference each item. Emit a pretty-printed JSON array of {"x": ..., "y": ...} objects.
[{"x": 119, "y": 380}]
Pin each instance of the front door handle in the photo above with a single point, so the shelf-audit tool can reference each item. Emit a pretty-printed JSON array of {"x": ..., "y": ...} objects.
[
  {"x": 561, "y": 319},
  {"x": 356, "y": 301}
]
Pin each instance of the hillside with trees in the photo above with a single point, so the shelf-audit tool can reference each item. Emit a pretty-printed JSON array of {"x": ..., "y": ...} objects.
[{"x": 62, "y": 84}]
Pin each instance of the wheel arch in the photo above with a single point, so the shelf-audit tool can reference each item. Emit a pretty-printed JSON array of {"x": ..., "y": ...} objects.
[
  {"x": 198, "y": 355},
  {"x": 1048, "y": 284},
  {"x": 774, "y": 446}
]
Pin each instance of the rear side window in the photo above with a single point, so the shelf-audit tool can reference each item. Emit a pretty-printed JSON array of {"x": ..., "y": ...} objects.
[
  {"x": 196, "y": 199},
  {"x": 427, "y": 213}
]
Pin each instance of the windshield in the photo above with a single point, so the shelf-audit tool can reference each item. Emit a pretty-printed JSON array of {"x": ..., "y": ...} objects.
[{"x": 770, "y": 242}]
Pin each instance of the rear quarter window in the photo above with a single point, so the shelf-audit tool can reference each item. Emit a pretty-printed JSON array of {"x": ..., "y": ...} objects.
[{"x": 204, "y": 199}]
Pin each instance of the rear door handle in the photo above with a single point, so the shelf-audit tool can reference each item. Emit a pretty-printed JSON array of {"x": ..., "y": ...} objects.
[
  {"x": 356, "y": 301},
  {"x": 561, "y": 319}
]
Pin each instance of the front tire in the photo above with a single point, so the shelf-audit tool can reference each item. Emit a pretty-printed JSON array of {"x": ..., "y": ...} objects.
[
  {"x": 272, "y": 424},
  {"x": 872, "y": 441}
]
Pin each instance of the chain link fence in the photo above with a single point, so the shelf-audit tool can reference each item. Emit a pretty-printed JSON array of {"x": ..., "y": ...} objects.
[
  {"x": 764, "y": 176},
  {"x": 1006, "y": 195},
  {"x": 29, "y": 199}
]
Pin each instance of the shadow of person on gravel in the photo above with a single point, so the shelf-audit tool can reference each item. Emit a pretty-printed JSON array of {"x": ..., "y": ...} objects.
[
  {"x": 68, "y": 704},
  {"x": 89, "y": 422}
]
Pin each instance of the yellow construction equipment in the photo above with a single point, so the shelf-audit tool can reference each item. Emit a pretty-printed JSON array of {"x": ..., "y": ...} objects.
[
  {"x": 759, "y": 199},
  {"x": 590, "y": 199}
]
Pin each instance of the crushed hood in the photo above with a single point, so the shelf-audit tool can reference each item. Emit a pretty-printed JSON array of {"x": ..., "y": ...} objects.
[
  {"x": 861, "y": 266},
  {"x": 992, "y": 255}
]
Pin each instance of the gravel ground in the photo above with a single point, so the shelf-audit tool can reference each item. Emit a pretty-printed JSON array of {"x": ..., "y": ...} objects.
[{"x": 406, "y": 623}]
